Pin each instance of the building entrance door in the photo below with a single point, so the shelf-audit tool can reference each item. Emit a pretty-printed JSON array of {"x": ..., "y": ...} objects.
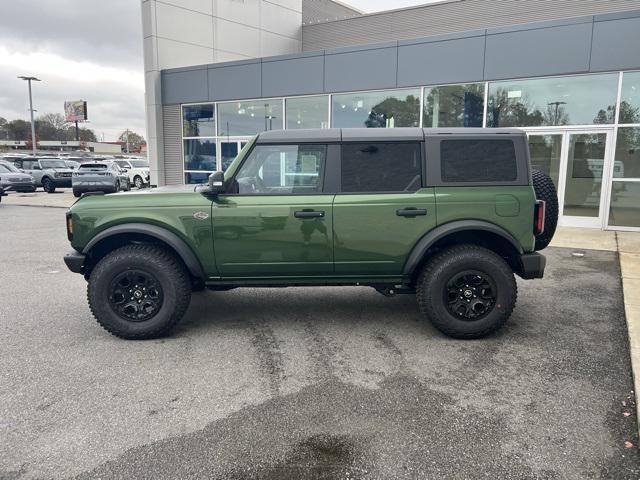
[{"x": 579, "y": 162}]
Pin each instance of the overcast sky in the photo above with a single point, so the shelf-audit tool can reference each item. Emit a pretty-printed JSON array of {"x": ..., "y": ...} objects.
[{"x": 85, "y": 49}]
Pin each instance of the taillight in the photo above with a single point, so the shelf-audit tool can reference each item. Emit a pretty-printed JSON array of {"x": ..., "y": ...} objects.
[
  {"x": 538, "y": 220},
  {"x": 69, "y": 226}
]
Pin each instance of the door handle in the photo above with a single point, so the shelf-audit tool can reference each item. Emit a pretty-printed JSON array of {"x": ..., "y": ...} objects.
[
  {"x": 308, "y": 214},
  {"x": 411, "y": 212}
]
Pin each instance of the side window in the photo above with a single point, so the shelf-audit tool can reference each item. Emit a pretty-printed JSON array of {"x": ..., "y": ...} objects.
[
  {"x": 381, "y": 167},
  {"x": 478, "y": 160},
  {"x": 282, "y": 169}
]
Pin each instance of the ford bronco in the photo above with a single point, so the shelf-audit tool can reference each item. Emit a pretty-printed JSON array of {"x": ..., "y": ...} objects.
[{"x": 447, "y": 214}]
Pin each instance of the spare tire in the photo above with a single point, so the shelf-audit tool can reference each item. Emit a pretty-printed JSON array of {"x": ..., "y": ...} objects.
[{"x": 546, "y": 190}]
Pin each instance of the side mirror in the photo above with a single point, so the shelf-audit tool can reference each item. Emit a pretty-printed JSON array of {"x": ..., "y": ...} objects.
[{"x": 216, "y": 183}]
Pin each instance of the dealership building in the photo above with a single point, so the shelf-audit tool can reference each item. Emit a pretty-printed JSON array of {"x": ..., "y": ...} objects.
[{"x": 566, "y": 71}]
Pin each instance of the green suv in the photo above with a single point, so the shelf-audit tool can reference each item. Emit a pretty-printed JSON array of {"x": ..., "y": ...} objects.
[{"x": 447, "y": 214}]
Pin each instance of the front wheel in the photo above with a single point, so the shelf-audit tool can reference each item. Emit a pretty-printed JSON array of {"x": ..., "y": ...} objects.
[
  {"x": 77, "y": 194},
  {"x": 48, "y": 185},
  {"x": 138, "y": 182},
  {"x": 467, "y": 291},
  {"x": 139, "y": 292}
]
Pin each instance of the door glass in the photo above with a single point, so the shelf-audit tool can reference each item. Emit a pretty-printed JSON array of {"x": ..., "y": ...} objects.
[
  {"x": 585, "y": 164},
  {"x": 546, "y": 151}
]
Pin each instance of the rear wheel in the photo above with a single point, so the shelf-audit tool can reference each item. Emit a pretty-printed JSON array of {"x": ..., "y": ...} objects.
[
  {"x": 546, "y": 190},
  {"x": 467, "y": 291},
  {"x": 48, "y": 185},
  {"x": 138, "y": 181},
  {"x": 77, "y": 194},
  {"x": 117, "y": 187},
  {"x": 139, "y": 292}
]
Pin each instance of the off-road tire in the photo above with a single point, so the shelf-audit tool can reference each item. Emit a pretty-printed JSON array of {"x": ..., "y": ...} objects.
[
  {"x": 77, "y": 194},
  {"x": 546, "y": 190},
  {"x": 432, "y": 282},
  {"x": 48, "y": 185},
  {"x": 169, "y": 273},
  {"x": 138, "y": 182}
]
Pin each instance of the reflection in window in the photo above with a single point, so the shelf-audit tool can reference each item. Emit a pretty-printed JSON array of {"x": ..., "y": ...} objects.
[
  {"x": 196, "y": 177},
  {"x": 198, "y": 121},
  {"x": 630, "y": 98},
  {"x": 282, "y": 169},
  {"x": 584, "y": 174},
  {"x": 627, "y": 160},
  {"x": 454, "y": 106},
  {"x": 579, "y": 100},
  {"x": 228, "y": 152},
  {"x": 397, "y": 108},
  {"x": 545, "y": 152},
  {"x": 249, "y": 118},
  {"x": 307, "y": 112},
  {"x": 199, "y": 154},
  {"x": 625, "y": 204}
]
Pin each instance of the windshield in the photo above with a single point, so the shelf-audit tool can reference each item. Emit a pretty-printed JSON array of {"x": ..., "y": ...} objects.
[
  {"x": 6, "y": 168},
  {"x": 53, "y": 164},
  {"x": 139, "y": 163}
]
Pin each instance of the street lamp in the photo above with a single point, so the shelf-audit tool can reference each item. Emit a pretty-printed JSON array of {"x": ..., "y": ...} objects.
[
  {"x": 557, "y": 105},
  {"x": 33, "y": 126}
]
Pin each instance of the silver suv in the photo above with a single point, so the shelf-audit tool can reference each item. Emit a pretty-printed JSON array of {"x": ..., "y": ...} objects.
[
  {"x": 48, "y": 173},
  {"x": 104, "y": 176}
]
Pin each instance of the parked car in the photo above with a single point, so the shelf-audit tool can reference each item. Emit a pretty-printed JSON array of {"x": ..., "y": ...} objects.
[
  {"x": 138, "y": 170},
  {"x": 12, "y": 179},
  {"x": 48, "y": 172},
  {"x": 105, "y": 177},
  {"x": 335, "y": 207}
]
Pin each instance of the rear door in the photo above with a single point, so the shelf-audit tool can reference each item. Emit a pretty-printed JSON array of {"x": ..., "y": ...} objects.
[
  {"x": 382, "y": 209},
  {"x": 278, "y": 220}
]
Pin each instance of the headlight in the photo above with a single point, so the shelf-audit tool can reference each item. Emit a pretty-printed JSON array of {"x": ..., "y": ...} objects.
[{"x": 56, "y": 174}]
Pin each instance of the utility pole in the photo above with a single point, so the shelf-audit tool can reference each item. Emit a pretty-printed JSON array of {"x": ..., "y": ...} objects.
[
  {"x": 127, "y": 138},
  {"x": 33, "y": 126}
]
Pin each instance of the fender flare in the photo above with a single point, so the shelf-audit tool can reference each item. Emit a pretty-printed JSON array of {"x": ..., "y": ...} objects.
[
  {"x": 162, "y": 234},
  {"x": 438, "y": 233}
]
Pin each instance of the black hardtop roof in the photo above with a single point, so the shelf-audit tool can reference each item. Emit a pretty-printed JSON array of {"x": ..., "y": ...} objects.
[{"x": 320, "y": 135}]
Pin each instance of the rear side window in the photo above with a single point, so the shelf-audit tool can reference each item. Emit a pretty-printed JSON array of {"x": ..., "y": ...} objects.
[
  {"x": 478, "y": 160},
  {"x": 381, "y": 167}
]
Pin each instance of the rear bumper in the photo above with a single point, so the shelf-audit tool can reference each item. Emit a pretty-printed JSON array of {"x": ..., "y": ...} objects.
[
  {"x": 75, "y": 261},
  {"x": 532, "y": 265}
]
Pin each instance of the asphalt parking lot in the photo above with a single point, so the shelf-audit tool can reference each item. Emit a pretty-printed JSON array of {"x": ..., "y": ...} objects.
[{"x": 309, "y": 383}]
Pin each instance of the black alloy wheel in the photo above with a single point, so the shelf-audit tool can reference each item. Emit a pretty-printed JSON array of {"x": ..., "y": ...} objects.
[
  {"x": 135, "y": 295},
  {"x": 470, "y": 295}
]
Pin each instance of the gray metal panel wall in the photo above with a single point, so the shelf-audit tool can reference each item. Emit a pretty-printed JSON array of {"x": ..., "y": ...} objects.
[
  {"x": 236, "y": 81},
  {"x": 173, "y": 164},
  {"x": 616, "y": 44},
  {"x": 444, "y": 61},
  {"x": 184, "y": 86},
  {"x": 293, "y": 76},
  {"x": 576, "y": 45},
  {"x": 448, "y": 17},
  {"x": 361, "y": 69},
  {"x": 543, "y": 51}
]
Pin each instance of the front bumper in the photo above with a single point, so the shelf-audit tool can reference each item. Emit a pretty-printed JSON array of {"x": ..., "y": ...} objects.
[
  {"x": 62, "y": 182},
  {"x": 19, "y": 187},
  {"x": 532, "y": 265},
  {"x": 75, "y": 261}
]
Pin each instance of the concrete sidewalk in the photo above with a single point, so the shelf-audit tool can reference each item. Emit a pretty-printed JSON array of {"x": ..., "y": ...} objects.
[{"x": 627, "y": 244}]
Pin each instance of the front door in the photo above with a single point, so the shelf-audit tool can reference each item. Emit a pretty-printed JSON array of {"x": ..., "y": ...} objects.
[{"x": 278, "y": 221}]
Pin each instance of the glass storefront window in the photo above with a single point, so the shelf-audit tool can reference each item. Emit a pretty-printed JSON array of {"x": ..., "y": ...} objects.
[
  {"x": 577, "y": 100},
  {"x": 200, "y": 155},
  {"x": 627, "y": 159},
  {"x": 228, "y": 152},
  {"x": 249, "y": 118},
  {"x": 397, "y": 108},
  {"x": 630, "y": 98},
  {"x": 196, "y": 177},
  {"x": 625, "y": 204},
  {"x": 198, "y": 121},
  {"x": 307, "y": 112},
  {"x": 454, "y": 106}
]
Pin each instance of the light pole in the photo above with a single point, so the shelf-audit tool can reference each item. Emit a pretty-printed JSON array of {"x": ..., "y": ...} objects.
[{"x": 33, "y": 125}]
